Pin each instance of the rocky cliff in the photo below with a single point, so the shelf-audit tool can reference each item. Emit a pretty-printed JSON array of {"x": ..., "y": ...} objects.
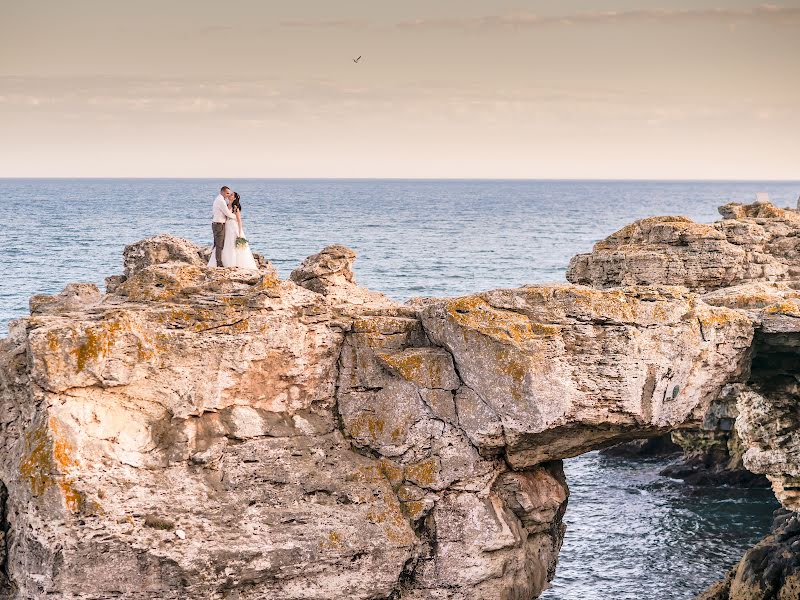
[
  {"x": 750, "y": 262},
  {"x": 221, "y": 433}
]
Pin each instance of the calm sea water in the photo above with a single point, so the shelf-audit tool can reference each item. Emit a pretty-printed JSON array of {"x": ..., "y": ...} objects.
[{"x": 631, "y": 533}]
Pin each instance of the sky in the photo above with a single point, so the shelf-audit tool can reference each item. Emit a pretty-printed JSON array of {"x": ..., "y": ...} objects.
[{"x": 609, "y": 89}]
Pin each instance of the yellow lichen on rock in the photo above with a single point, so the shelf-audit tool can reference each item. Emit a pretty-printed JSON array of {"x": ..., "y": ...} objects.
[
  {"x": 47, "y": 462},
  {"x": 718, "y": 317},
  {"x": 423, "y": 473},
  {"x": 789, "y": 307},
  {"x": 475, "y": 313},
  {"x": 367, "y": 424},
  {"x": 392, "y": 471},
  {"x": 95, "y": 343}
]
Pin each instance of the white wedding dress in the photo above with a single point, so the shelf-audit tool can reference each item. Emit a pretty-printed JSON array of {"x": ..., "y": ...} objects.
[
  {"x": 244, "y": 256},
  {"x": 233, "y": 256}
]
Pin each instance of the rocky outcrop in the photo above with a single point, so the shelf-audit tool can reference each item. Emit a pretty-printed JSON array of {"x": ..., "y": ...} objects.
[
  {"x": 5, "y": 584},
  {"x": 330, "y": 273},
  {"x": 159, "y": 250},
  {"x": 748, "y": 262},
  {"x": 771, "y": 569},
  {"x": 713, "y": 454},
  {"x": 569, "y": 369},
  {"x": 218, "y": 433},
  {"x": 752, "y": 243}
]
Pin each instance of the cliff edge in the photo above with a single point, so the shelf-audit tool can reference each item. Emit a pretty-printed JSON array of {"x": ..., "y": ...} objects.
[{"x": 219, "y": 433}]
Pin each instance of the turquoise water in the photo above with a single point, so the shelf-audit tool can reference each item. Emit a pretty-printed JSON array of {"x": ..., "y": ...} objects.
[{"x": 631, "y": 533}]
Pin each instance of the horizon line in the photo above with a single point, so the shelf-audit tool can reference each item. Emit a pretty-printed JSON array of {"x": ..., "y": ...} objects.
[{"x": 343, "y": 178}]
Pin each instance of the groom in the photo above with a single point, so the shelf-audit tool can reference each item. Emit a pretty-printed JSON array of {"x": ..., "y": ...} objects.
[{"x": 221, "y": 212}]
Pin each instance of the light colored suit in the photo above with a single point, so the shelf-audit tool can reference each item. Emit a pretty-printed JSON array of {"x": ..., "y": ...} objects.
[{"x": 220, "y": 214}]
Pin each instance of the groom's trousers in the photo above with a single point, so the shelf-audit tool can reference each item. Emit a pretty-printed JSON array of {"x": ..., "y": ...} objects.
[{"x": 218, "y": 229}]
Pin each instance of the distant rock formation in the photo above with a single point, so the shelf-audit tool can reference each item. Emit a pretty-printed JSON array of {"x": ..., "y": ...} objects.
[
  {"x": 660, "y": 445},
  {"x": 220, "y": 433},
  {"x": 752, "y": 243}
]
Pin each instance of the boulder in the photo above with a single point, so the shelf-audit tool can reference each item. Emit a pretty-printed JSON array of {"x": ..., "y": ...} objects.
[
  {"x": 163, "y": 248},
  {"x": 330, "y": 273},
  {"x": 74, "y": 297}
]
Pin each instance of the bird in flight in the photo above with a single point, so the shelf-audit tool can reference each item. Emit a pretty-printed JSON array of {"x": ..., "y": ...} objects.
[{"x": 355, "y": 60}]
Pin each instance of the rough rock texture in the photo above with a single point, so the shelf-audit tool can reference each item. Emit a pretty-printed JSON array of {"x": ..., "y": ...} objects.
[
  {"x": 158, "y": 250},
  {"x": 752, "y": 243},
  {"x": 749, "y": 262},
  {"x": 714, "y": 454},
  {"x": 204, "y": 433},
  {"x": 659, "y": 445},
  {"x": 771, "y": 569},
  {"x": 219, "y": 433},
  {"x": 567, "y": 369},
  {"x": 214, "y": 431}
]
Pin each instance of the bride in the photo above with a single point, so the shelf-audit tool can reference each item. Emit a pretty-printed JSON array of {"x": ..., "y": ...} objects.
[{"x": 236, "y": 250}]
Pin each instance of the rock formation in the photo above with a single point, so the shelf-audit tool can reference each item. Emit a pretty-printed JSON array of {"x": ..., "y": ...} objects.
[
  {"x": 770, "y": 569},
  {"x": 752, "y": 243},
  {"x": 713, "y": 454},
  {"x": 749, "y": 262},
  {"x": 221, "y": 433},
  {"x": 659, "y": 445}
]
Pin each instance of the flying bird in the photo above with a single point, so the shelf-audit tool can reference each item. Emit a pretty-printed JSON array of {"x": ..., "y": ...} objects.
[{"x": 355, "y": 60}]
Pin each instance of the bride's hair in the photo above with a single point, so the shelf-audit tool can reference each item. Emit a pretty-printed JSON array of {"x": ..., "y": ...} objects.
[{"x": 236, "y": 205}]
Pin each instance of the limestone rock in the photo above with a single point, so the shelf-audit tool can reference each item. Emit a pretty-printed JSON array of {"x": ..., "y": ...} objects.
[
  {"x": 163, "y": 248},
  {"x": 330, "y": 273},
  {"x": 769, "y": 425},
  {"x": 771, "y": 569},
  {"x": 713, "y": 453},
  {"x": 766, "y": 425},
  {"x": 753, "y": 243},
  {"x": 304, "y": 446},
  {"x": 312, "y": 439},
  {"x": 567, "y": 369},
  {"x": 331, "y": 267},
  {"x": 74, "y": 297},
  {"x": 748, "y": 262}
]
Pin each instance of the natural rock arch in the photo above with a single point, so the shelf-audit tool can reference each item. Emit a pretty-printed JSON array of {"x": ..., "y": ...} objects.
[{"x": 210, "y": 431}]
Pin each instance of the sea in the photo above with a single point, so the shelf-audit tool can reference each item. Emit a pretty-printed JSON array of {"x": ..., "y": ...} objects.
[{"x": 631, "y": 533}]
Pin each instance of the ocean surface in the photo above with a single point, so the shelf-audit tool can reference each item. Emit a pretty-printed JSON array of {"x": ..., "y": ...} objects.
[{"x": 631, "y": 534}]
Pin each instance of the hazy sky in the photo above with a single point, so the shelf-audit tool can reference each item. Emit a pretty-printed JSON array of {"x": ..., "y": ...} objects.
[{"x": 446, "y": 88}]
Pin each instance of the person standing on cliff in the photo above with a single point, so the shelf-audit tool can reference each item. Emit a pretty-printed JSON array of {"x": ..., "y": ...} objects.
[{"x": 221, "y": 212}]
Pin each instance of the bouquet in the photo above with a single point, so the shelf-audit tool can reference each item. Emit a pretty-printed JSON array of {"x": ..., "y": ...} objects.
[{"x": 241, "y": 242}]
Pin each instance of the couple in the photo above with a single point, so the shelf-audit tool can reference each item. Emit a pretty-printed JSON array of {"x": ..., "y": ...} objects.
[{"x": 230, "y": 245}]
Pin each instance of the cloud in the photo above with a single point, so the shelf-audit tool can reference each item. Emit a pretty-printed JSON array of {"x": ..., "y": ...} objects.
[
  {"x": 326, "y": 24},
  {"x": 763, "y": 13},
  {"x": 768, "y": 13},
  {"x": 295, "y": 103}
]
